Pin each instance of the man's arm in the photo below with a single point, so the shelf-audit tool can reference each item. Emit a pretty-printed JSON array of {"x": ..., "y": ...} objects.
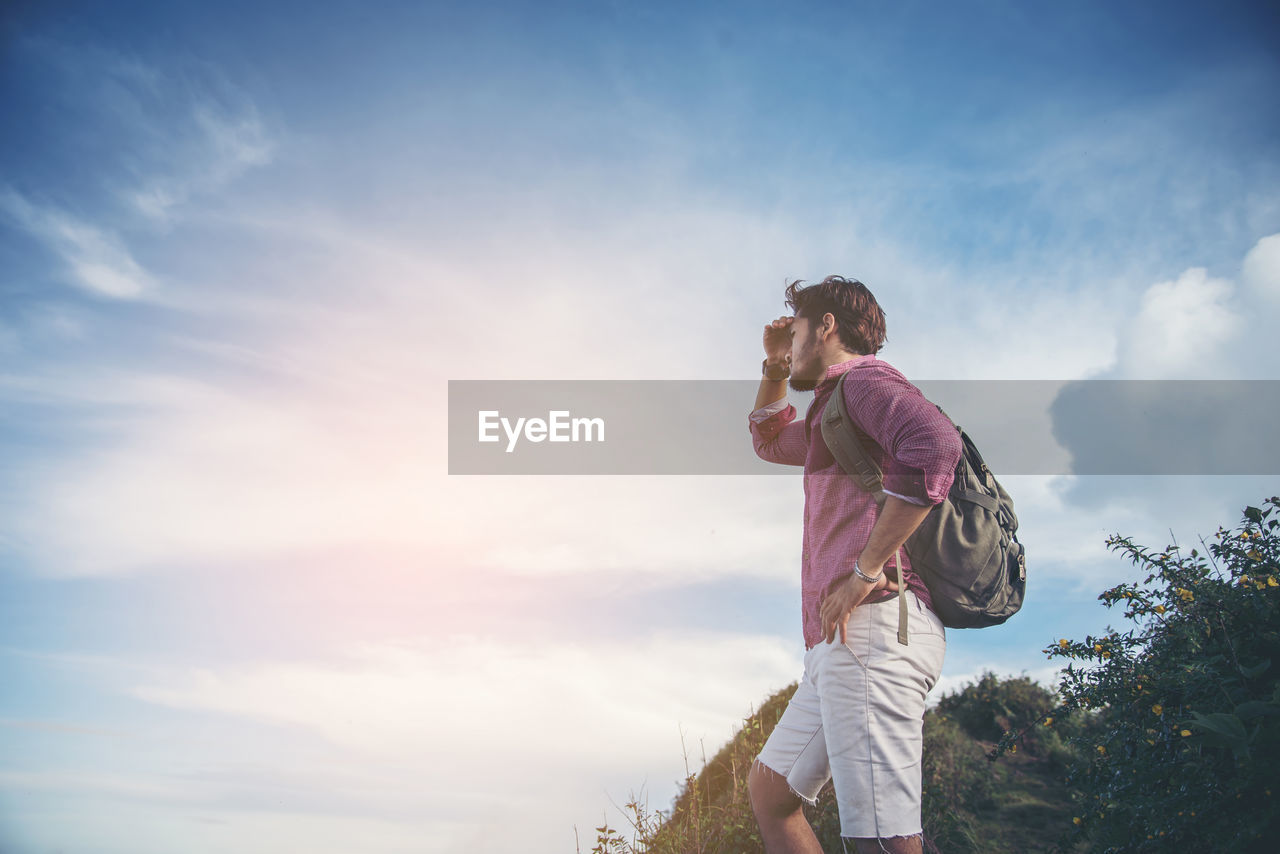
[
  {"x": 776, "y": 435},
  {"x": 771, "y": 391},
  {"x": 897, "y": 520},
  {"x": 922, "y": 443},
  {"x": 924, "y": 448}
]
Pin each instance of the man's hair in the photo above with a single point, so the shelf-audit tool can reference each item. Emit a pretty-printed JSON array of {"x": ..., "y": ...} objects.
[{"x": 859, "y": 318}]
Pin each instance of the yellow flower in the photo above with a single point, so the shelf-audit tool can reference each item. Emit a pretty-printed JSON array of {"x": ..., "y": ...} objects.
[
  {"x": 1186, "y": 594},
  {"x": 1271, "y": 581},
  {"x": 1064, "y": 643},
  {"x": 1186, "y": 732},
  {"x": 1158, "y": 709},
  {"x": 1255, "y": 554},
  {"x": 1048, "y": 721},
  {"x": 1097, "y": 647},
  {"x": 1077, "y": 821},
  {"x": 1102, "y": 750},
  {"x": 1106, "y": 655},
  {"x": 1159, "y": 609}
]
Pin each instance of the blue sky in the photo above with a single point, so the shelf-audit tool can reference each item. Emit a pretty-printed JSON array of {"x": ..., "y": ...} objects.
[{"x": 244, "y": 247}]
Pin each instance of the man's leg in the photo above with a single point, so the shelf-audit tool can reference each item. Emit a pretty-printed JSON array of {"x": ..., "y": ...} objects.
[
  {"x": 873, "y": 701},
  {"x": 790, "y": 771},
  {"x": 779, "y": 813},
  {"x": 893, "y": 845}
]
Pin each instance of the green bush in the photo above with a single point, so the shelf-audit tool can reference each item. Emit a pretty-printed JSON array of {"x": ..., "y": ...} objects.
[
  {"x": 1186, "y": 701},
  {"x": 956, "y": 782},
  {"x": 973, "y": 805},
  {"x": 991, "y": 708}
]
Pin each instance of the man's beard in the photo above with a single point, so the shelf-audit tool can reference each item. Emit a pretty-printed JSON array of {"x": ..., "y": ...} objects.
[{"x": 798, "y": 384}]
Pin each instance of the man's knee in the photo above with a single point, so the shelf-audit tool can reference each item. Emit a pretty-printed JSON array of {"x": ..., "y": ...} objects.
[{"x": 771, "y": 797}]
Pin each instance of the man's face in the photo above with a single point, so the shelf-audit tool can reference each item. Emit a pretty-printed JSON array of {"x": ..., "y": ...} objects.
[{"x": 806, "y": 357}]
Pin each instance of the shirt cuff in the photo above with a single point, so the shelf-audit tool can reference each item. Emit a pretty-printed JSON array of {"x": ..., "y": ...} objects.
[
  {"x": 907, "y": 498},
  {"x": 764, "y": 413}
]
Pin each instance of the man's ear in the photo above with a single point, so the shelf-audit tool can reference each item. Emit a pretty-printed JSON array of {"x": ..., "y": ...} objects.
[{"x": 822, "y": 328}]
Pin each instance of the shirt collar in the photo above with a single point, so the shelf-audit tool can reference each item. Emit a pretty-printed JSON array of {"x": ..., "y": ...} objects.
[{"x": 834, "y": 371}]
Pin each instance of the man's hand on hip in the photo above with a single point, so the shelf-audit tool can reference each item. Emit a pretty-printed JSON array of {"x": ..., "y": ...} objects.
[{"x": 838, "y": 605}]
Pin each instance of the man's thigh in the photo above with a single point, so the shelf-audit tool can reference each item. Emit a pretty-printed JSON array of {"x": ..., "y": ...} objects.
[
  {"x": 872, "y": 693},
  {"x": 796, "y": 750}
]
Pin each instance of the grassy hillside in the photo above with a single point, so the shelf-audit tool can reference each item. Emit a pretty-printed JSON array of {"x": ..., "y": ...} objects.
[
  {"x": 1170, "y": 727},
  {"x": 1018, "y": 803}
]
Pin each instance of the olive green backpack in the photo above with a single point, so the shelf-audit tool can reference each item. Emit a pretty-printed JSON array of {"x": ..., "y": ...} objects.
[{"x": 966, "y": 550}]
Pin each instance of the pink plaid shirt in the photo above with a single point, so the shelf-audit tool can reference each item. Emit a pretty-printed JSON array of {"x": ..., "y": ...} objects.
[{"x": 918, "y": 449}]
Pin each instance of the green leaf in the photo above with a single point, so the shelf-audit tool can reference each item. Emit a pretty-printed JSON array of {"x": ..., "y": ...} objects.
[
  {"x": 1221, "y": 729},
  {"x": 1256, "y": 708},
  {"x": 1253, "y": 514},
  {"x": 1256, "y": 670}
]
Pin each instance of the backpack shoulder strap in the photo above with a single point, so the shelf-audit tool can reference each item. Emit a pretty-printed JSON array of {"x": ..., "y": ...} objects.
[{"x": 840, "y": 434}]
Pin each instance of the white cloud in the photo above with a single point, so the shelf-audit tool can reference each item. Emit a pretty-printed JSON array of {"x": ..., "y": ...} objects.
[
  {"x": 1181, "y": 327},
  {"x": 173, "y": 137},
  {"x": 429, "y": 721},
  {"x": 1199, "y": 326},
  {"x": 1261, "y": 272},
  {"x": 214, "y": 147},
  {"x": 385, "y": 700},
  {"x": 204, "y": 473},
  {"x": 173, "y": 132},
  {"x": 94, "y": 259},
  {"x": 964, "y": 331},
  {"x": 340, "y": 440}
]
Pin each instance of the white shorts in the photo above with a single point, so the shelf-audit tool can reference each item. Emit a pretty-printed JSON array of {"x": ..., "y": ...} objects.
[{"x": 856, "y": 719}]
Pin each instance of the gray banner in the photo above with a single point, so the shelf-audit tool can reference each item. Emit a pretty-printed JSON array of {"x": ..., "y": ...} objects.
[{"x": 1122, "y": 427}]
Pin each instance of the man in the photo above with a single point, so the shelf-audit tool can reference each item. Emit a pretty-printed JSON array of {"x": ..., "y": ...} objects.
[{"x": 857, "y": 715}]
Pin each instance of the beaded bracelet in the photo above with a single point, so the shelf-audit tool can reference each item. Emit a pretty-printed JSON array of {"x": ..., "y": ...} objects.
[{"x": 857, "y": 570}]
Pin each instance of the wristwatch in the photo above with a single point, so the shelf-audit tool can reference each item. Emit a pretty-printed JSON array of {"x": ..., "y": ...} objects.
[{"x": 764, "y": 367}]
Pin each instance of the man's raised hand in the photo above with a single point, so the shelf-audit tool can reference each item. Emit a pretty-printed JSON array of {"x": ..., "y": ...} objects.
[{"x": 777, "y": 340}]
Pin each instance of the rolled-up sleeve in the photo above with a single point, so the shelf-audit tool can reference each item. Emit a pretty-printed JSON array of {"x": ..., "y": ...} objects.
[
  {"x": 777, "y": 436},
  {"x": 922, "y": 444}
]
